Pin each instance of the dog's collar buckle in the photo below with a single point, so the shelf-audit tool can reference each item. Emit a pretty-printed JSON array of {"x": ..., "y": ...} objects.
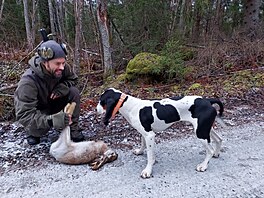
[{"x": 120, "y": 102}]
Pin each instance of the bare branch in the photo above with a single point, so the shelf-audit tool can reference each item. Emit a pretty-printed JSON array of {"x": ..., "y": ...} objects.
[{"x": 8, "y": 87}]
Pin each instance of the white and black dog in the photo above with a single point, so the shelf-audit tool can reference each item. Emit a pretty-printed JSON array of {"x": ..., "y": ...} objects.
[{"x": 150, "y": 116}]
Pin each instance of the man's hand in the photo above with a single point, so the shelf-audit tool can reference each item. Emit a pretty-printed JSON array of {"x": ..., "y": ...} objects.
[
  {"x": 60, "y": 90},
  {"x": 60, "y": 120}
]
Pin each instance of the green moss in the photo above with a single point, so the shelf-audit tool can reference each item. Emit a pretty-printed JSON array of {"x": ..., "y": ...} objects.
[
  {"x": 175, "y": 88},
  {"x": 243, "y": 80},
  {"x": 143, "y": 64},
  {"x": 121, "y": 78},
  {"x": 195, "y": 89},
  {"x": 195, "y": 86},
  {"x": 150, "y": 67},
  {"x": 259, "y": 79}
]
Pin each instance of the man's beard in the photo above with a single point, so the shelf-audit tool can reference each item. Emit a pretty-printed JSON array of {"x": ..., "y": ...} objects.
[{"x": 57, "y": 73}]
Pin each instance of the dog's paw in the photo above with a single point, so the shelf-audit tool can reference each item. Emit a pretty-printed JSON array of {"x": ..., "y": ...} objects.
[
  {"x": 138, "y": 151},
  {"x": 145, "y": 174},
  {"x": 201, "y": 167}
]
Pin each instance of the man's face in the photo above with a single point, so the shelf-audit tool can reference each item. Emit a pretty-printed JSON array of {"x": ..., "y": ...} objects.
[{"x": 55, "y": 66}]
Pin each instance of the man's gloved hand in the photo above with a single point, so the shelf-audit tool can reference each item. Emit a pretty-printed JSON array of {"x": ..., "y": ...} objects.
[
  {"x": 59, "y": 91},
  {"x": 59, "y": 120}
]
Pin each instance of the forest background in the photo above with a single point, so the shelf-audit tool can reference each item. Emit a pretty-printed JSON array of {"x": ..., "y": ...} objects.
[{"x": 148, "y": 48}]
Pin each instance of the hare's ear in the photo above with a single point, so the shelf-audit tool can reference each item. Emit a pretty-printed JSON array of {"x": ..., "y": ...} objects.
[{"x": 110, "y": 105}]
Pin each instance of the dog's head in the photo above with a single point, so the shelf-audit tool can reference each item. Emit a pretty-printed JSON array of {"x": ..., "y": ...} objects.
[{"x": 107, "y": 103}]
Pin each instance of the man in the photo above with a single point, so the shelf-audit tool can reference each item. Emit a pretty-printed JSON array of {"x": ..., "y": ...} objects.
[{"x": 44, "y": 90}]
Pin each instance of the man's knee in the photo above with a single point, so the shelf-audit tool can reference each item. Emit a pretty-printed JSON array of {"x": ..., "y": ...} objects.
[{"x": 74, "y": 94}]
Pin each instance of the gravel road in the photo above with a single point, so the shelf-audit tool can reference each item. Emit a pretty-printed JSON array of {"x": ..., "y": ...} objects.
[{"x": 239, "y": 172}]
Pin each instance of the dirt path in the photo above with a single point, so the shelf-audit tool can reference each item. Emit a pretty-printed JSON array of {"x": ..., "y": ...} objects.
[{"x": 239, "y": 172}]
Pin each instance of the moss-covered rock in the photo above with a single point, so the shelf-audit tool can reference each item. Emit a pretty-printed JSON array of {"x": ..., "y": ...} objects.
[{"x": 144, "y": 64}]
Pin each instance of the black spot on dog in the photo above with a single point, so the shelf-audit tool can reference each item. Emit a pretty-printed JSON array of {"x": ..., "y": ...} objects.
[
  {"x": 109, "y": 100},
  {"x": 205, "y": 113},
  {"x": 167, "y": 112},
  {"x": 146, "y": 118},
  {"x": 109, "y": 94}
]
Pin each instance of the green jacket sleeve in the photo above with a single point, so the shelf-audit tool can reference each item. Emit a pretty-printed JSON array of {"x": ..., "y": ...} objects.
[{"x": 26, "y": 100}]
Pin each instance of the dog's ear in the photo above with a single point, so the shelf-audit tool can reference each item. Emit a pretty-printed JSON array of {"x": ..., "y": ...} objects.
[{"x": 110, "y": 105}]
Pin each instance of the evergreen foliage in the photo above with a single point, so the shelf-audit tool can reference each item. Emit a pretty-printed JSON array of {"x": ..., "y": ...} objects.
[
  {"x": 43, "y": 8},
  {"x": 143, "y": 24},
  {"x": 12, "y": 26},
  {"x": 156, "y": 27},
  {"x": 173, "y": 56}
]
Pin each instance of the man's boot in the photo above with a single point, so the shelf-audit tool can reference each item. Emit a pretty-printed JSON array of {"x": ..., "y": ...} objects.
[
  {"x": 31, "y": 140},
  {"x": 76, "y": 134},
  {"x": 77, "y": 138}
]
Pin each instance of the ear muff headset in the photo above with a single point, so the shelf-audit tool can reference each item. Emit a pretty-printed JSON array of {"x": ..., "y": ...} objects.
[{"x": 47, "y": 53}]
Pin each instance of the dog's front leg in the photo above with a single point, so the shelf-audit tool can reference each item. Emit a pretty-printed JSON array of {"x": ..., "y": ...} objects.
[
  {"x": 140, "y": 151},
  {"x": 150, "y": 141}
]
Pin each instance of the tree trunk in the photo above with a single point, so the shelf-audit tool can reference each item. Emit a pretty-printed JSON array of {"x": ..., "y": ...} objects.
[
  {"x": 218, "y": 15},
  {"x": 197, "y": 22},
  {"x": 78, "y": 7},
  {"x": 52, "y": 21},
  {"x": 33, "y": 22},
  {"x": 181, "y": 21},
  {"x": 251, "y": 17},
  {"x": 209, "y": 21},
  {"x": 187, "y": 17},
  {"x": 60, "y": 14},
  {"x": 1, "y": 9},
  {"x": 174, "y": 5},
  {"x": 27, "y": 23},
  {"x": 66, "y": 17},
  {"x": 103, "y": 23},
  {"x": 93, "y": 15}
]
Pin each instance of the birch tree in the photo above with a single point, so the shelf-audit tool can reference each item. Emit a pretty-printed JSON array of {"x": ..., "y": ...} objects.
[
  {"x": 27, "y": 24},
  {"x": 60, "y": 15},
  {"x": 174, "y": 5},
  {"x": 103, "y": 23},
  {"x": 33, "y": 20},
  {"x": 181, "y": 22},
  {"x": 251, "y": 17},
  {"x": 1, "y": 9},
  {"x": 78, "y": 8},
  {"x": 52, "y": 21}
]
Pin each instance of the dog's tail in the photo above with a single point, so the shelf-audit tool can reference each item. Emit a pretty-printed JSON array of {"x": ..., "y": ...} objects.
[
  {"x": 220, "y": 104},
  {"x": 221, "y": 110}
]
